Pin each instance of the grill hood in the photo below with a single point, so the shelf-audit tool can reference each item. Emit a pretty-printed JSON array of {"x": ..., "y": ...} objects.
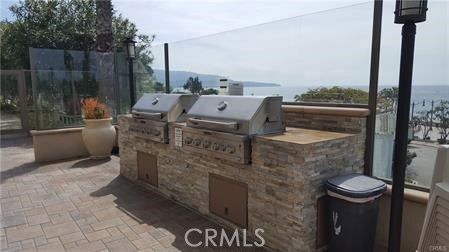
[
  {"x": 248, "y": 115},
  {"x": 163, "y": 107}
]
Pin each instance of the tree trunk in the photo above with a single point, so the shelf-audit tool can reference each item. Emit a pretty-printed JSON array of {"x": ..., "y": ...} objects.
[
  {"x": 104, "y": 25},
  {"x": 104, "y": 55}
]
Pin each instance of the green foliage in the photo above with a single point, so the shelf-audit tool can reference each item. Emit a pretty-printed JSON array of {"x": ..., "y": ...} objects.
[
  {"x": 423, "y": 120},
  {"x": 209, "y": 91},
  {"x": 441, "y": 113},
  {"x": 334, "y": 94},
  {"x": 410, "y": 157},
  {"x": 387, "y": 99},
  {"x": 159, "y": 87},
  {"x": 194, "y": 85},
  {"x": 9, "y": 93},
  {"x": 60, "y": 24}
]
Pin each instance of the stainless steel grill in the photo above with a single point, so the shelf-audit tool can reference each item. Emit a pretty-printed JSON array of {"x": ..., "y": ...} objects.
[
  {"x": 246, "y": 115},
  {"x": 222, "y": 126},
  {"x": 153, "y": 112}
]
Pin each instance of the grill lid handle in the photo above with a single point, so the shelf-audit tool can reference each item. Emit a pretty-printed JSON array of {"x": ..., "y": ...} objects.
[
  {"x": 214, "y": 124},
  {"x": 147, "y": 114}
]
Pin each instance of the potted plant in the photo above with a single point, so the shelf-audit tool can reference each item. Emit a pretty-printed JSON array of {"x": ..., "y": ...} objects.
[{"x": 98, "y": 134}]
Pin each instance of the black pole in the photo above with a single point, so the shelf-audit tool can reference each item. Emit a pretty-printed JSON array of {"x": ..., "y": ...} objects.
[
  {"x": 132, "y": 89},
  {"x": 167, "y": 69},
  {"x": 401, "y": 139},
  {"x": 373, "y": 86},
  {"x": 431, "y": 116},
  {"x": 413, "y": 111}
]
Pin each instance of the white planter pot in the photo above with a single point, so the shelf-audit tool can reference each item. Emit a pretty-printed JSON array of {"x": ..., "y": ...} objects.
[{"x": 99, "y": 137}]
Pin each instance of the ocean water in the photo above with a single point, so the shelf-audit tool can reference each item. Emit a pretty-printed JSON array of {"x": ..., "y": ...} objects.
[{"x": 419, "y": 93}]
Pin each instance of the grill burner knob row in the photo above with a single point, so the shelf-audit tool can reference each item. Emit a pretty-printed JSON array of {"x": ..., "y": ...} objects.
[
  {"x": 156, "y": 132},
  {"x": 197, "y": 141},
  {"x": 230, "y": 149}
]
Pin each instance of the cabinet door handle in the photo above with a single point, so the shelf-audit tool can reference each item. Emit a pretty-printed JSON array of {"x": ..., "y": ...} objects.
[{"x": 226, "y": 210}]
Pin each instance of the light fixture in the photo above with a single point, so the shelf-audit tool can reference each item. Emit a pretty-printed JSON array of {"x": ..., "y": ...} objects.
[
  {"x": 410, "y": 11},
  {"x": 130, "y": 48}
]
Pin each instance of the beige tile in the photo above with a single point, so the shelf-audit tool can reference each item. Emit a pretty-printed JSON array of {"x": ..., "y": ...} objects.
[
  {"x": 143, "y": 243},
  {"x": 3, "y": 242},
  {"x": 60, "y": 207},
  {"x": 106, "y": 224},
  {"x": 38, "y": 219},
  {"x": 60, "y": 229},
  {"x": 11, "y": 221},
  {"x": 73, "y": 237},
  {"x": 109, "y": 213},
  {"x": 89, "y": 247},
  {"x": 28, "y": 244},
  {"x": 14, "y": 235},
  {"x": 121, "y": 245},
  {"x": 54, "y": 246},
  {"x": 98, "y": 235}
]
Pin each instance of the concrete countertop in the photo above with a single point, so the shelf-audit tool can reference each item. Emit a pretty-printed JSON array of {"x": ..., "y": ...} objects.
[
  {"x": 331, "y": 111},
  {"x": 304, "y": 136}
]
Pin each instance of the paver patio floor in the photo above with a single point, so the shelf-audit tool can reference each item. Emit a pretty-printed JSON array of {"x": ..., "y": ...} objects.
[{"x": 84, "y": 205}]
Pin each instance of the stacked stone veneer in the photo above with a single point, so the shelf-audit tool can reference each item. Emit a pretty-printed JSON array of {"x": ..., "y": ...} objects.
[{"x": 284, "y": 180}]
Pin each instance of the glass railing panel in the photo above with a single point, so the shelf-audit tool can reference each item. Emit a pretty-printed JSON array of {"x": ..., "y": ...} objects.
[
  {"x": 286, "y": 57},
  {"x": 430, "y": 94},
  {"x": 10, "y": 117}
]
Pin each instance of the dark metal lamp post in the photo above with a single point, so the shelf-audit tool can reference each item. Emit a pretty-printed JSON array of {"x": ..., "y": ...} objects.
[
  {"x": 408, "y": 12},
  {"x": 130, "y": 49}
]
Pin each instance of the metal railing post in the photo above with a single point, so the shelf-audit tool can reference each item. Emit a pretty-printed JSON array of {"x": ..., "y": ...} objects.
[
  {"x": 373, "y": 86},
  {"x": 167, "y": 69}
]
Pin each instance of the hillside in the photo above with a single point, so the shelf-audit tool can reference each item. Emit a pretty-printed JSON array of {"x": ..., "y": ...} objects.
[{"x": 178, "y": 78}]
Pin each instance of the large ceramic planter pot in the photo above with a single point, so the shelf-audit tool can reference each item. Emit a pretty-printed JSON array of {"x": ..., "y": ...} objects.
[{"x": 99, "y": 137}]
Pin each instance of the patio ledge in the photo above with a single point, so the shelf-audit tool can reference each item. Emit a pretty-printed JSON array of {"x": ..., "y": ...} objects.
[
  {"x": 55, "y": 131},
  {"x": 332, "y": 111},
  {"x": 419, "y": 197}
]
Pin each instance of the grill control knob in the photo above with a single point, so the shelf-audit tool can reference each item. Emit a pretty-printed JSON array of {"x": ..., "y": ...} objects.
[
  {"x": 230, "y": 149},
  {"x": 206, "y": 143},
  {"x": 222, "y": 147},
  {"x": 188, "y": 140},
  {"x": 197, "y": 141},
  {"x": 215, "y": 146},
  {"x": 148, "y": 131},
  {"x": 156, "y": 132}
]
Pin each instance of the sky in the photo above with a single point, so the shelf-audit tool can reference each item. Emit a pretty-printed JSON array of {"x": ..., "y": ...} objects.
[
  {"x": 313, "y": 42},
  {"x": 174, "y": 20}
]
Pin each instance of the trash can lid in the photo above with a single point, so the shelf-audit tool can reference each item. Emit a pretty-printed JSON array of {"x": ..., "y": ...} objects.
[{"x": 356, "y": 186}]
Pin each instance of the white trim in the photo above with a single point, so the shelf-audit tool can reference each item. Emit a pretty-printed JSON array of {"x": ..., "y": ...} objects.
[{"x": 353, "y": 200}]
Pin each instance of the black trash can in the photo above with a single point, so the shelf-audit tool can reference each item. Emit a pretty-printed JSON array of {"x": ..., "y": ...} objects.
[{"x": 353, "y": 207}]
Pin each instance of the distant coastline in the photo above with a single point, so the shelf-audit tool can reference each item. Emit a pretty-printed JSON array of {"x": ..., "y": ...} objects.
[{"x": 178, "y": 78}]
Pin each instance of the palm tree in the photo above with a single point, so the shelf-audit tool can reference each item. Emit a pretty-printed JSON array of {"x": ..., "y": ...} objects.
[
  {"x": 104, "y": 25},
  {"x": 104, "y": 56}
]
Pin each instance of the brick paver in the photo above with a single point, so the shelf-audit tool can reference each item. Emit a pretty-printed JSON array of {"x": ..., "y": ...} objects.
[{"x": 84, "y": 205}]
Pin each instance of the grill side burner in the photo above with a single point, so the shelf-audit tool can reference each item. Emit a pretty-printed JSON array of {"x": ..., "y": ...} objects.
[{"x": 153, "y": 112}]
